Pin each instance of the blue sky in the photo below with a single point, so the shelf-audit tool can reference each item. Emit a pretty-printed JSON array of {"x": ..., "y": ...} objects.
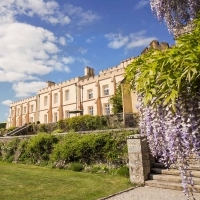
[{"x": 54, "y": 40}]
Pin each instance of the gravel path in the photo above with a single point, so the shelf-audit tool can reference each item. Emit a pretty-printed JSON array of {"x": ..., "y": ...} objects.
[{"x": 150, "y": 193}]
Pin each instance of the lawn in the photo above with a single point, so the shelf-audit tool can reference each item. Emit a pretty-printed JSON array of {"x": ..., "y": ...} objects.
[{"x": 26, "y": 182}]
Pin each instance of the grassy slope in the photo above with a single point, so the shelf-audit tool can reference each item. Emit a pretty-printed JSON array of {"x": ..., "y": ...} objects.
[{"x": 26, "y": 182}]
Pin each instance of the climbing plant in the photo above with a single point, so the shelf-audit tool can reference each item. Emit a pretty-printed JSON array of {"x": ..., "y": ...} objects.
[
  {"x": 116, "y": 101},
  {"x": 168, "y": 87},
  {"x": 175, "y": 13}
]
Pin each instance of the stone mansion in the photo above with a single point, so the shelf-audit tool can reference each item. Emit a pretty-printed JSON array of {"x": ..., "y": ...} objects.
[{"x": 88, "y": 94}]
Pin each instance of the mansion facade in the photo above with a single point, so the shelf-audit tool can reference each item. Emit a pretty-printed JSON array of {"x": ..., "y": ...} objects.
[{"x": 88, "y": 94}]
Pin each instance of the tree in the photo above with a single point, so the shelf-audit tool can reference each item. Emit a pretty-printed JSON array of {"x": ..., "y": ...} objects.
[
  {"x": 167, "y": 84},
  {"x": 175, "y": 13},
  {"x": 116, "y": 101}
]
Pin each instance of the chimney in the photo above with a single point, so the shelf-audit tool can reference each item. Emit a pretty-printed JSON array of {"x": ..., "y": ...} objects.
[
  {"x": 50, "y": 83},
  {"x": 89, "y": 71}
]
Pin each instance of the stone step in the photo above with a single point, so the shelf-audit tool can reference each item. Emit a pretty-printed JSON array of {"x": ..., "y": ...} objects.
[
  {"x": 159, "y": 165},
  {"x": 195, "y": 165},
  {"x": 168, "y": 185},
  {"x": 174, "y": 172},
  {"x": 171, "y": 178}
]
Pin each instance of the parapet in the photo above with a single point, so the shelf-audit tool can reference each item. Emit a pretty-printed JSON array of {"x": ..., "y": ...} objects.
[
  {"x": 33, "y": 98},
  {"x": 156, "y": 45}
]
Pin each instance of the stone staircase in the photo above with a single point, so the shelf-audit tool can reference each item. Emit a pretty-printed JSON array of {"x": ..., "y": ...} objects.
[
  {"x": 17, "y": 131},
  {"x": 170, "y": 178}
]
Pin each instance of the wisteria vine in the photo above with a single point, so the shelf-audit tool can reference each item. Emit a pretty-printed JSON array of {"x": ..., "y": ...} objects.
[
  {"x": 174, "y": 136},
  {"x": 167, "y": 83},
  {"x": 175, "y": 13}
]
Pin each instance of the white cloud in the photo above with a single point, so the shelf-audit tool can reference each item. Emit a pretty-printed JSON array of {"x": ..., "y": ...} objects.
[
  {"x": 82, "y": 50},
  {"x": 7, "y": 102},
  {"x": 68, "y": 60},
  {"x": 139, "y": 40},
  {"x": 24, "y": 89},
  {"x": 69, "y": 38},
  {"x": 130, "y": 41},
  {"x": 82, "y": 17},
  {"x": 116, "y": 40},
  {"x": 84, "y": 61},
  {"x": 27, "y": 51},
  {"x": 46, "y": 10},
  {"x": 67, "y": 69},
  {"x": 90, "y": 40},
  {"x": 141, "y": 4},
  {"x": 62, "y": 41}
]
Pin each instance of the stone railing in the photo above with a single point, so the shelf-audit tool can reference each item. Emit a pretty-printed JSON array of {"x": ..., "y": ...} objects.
[{"x": 140, "y": 159}]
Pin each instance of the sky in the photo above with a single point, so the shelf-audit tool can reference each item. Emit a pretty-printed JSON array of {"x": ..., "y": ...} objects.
[{"x": 55, "y": 40}]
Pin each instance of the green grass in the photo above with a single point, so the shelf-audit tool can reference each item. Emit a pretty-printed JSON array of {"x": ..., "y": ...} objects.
[{"x": 26, "y": 182}]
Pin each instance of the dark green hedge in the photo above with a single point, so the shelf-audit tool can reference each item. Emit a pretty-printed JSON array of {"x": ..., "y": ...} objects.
[{"x": 59, "y": 151}]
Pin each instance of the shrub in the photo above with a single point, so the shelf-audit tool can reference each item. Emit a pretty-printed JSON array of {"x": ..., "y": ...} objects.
[
  {"x": 43, "y": 128},
  {"x": 2, "y": 125},
  {"x": 85, "y": 123},
  {"x": 11, "y": 128},
  {"x": 57, "y": 131},
  {"x": 90, "y": 149},
  {"x": 123, "y": 171},
  {"x": 77, "y": 167},
  {"x": 9, "y": 150},
  {"x": 40, "y": 147},
  {"x": 38, "y": 122}
]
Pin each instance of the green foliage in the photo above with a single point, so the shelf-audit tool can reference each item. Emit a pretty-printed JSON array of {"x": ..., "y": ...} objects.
[
  {"x": 57, "y": 131},
  {"x": 43, "y": 128},
  {"x": 123, "y": 171},
  {"x": 163, "y": 75},
  {"x": 82, "y": 123},
  {"x": 116, "y": 101},
  {"x": 89, "y": 149},
  {"x": 2, "y": 125},
  {"x": 9, "y": 150},
  {"x": 39, "y": 148},
  {"x": 77, "y": 167},
  {"x": 104, "y": 151},
  {"x": 11, "y": 128}
]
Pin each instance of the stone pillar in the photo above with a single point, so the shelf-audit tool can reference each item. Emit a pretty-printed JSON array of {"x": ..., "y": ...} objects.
[{"x": 139, "y": 160}]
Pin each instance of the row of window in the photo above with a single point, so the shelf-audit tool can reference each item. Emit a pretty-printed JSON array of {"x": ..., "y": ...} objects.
[
  {"x": 89, "y": 95},
  {"x": 67, "y": 114},
  {"x": 90, "y": 111},
  {"x": 24, "y": 110}
]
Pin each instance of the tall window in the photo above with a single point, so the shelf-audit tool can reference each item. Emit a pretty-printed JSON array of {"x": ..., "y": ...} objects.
[
  {"x": 25, "y": 110},
  {"x": 45, "y": 100},
  {"x": 12, "y": 113},
  {"x": 91, "y": 110},
  {"x": 31, "y": 119},
  {"x": 105, "y": 90},
  {"x": 66, "y": 95},
  {"x": 45, "y": 118},
  {"x": 67, "y": 115},
  {"x": 18, "y": 111},
  {"x": 31, "y": 108},
  {"x": 107, "y": 108},
  {"x": 23, "y": 120},
  {"x": 90, "y": 94},
  {"x": 56, "y": 98},
  {"x": 55, "y": 117}
]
